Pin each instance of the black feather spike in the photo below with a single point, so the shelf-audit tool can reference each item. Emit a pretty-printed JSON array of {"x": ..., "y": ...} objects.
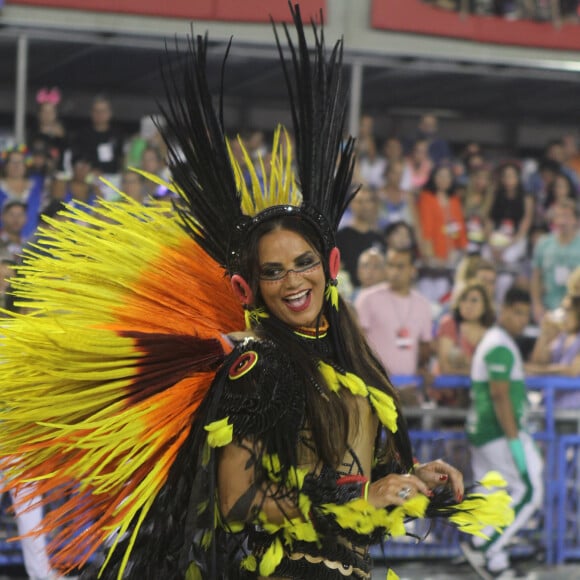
[
  {"x": 318, "y": 102},
  {"x": 198, "y": 155}
]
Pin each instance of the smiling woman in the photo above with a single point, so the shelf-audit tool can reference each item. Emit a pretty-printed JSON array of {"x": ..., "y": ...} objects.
[
  {"x": 203, "y": 451},
  {"x": 292, "y": 281}
]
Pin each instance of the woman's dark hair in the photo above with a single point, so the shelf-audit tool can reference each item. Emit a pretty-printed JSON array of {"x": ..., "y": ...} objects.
[
  {"x": 497, "y": 209},
  {"x": 551, "y": 196},
  {"x": 487, "y": 317},
  {"x": 393, "y": 227},
  {"x": 431, "y": 186},
  {"x": 6, "y": 160},
  {"x": 329, "y": 422}
]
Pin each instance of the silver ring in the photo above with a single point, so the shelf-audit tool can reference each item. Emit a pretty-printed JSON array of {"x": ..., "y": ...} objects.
[{"x": 405, "y": 492}]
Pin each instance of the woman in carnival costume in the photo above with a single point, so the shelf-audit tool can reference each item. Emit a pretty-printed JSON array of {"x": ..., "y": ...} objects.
[{"x": 190, "y": 447}]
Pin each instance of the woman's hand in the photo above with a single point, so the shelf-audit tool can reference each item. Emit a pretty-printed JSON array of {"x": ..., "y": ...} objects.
[
  {"x": 395, "y": 489},
  {"x": 437, "y": 473}
]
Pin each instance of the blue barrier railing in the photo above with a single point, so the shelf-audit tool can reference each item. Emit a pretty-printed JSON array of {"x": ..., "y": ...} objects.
[{"x": 560, "y": 539}]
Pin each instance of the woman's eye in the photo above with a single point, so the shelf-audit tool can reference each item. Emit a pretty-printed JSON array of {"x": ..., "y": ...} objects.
[
  {"x": 305, "y": 262},
  {"x": 271, "y": 272}
]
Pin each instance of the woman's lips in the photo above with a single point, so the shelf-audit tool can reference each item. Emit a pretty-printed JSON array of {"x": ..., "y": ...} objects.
[{"x": 299, "y": 302}]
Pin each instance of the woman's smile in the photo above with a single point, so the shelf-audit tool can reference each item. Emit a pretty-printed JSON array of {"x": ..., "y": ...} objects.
[{"x": 292, "y": 280}]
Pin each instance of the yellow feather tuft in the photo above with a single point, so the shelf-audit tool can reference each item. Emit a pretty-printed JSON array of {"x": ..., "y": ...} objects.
[
  {"x": 353, "y": 383},
  {"x": 220, "y": 433},
  {"x": 477, "y": 512},
  {"x": 275, "y": 185},
  {"x": 385, "y": 408},
  {"x": 271, "y": 558},
  {"x": 193, "y": 572},
  {"x": 249, "y": 563},
  {"x": 303, "y": 531},
  {"x": 493, "y": 479},
  {"x": 272, "y": 465},
  {"x": 330, "y": 376},
  {"x": 331, "y": 295}
]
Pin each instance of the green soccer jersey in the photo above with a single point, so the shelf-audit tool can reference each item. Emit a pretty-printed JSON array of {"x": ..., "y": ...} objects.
[{"x": 497, "y": 358}]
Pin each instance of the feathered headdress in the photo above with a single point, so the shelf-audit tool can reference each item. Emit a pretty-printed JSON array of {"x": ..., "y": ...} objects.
[
  {"x": 220, "y": 210},
  {"x": 101, "y": 382}
]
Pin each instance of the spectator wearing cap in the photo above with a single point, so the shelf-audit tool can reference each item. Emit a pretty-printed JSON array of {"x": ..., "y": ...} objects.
[{"x": 15, "y": 185}]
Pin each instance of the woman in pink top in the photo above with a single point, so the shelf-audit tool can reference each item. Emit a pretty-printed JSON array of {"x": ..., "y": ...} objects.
[{"x": 419, "y": 165}]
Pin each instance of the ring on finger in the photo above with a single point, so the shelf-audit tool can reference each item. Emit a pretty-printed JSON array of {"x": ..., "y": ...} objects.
[{"x": 404, "y": 492}]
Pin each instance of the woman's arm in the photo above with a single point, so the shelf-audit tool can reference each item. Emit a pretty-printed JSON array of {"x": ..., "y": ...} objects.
[
  {"x": 451, "y": 362},
  {"x": 242, "y": 494},
  {"x": 541, "y": 353},
  {"x": 559, "y": 369}
]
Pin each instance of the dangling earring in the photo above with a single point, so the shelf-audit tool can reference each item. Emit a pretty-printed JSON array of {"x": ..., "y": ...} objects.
[
  {"x": 331, "y": 293},
  {"x": 245, "y": 295}
]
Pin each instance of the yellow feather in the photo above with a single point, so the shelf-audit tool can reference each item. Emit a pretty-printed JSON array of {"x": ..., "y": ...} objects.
[
  {"x": 493, "y": 479},
  {"x": 275, "y": 186},
  {"x": 353, "y": 383},
  {"x": 330, "y": 376},
  {"x": 271, "y": 558},
  {"x": 331, "y": 294},
  {"x": 249, "y": 563},
  {"x": 220, "y": 433},
  {"x": 385, "y": 408}
]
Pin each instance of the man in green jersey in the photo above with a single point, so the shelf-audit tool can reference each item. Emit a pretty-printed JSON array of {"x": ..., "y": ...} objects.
[{"x": 496, "y": 429}]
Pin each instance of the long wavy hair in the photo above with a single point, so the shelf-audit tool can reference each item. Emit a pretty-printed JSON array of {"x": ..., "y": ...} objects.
[{"x": 329, "y": 423}]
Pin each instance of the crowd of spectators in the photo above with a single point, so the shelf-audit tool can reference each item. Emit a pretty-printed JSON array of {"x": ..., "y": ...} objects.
[
  {"x": 556, "y": 11},
  {"x": 438, "y": 234},
  {"x": 55, "y": 166},
  {"x": 454, "y": 232}
]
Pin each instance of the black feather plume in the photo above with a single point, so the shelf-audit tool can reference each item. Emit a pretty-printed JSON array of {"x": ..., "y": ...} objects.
[
  {"x": 318, "y": 102},
  {"x": 198, "y": 155}
]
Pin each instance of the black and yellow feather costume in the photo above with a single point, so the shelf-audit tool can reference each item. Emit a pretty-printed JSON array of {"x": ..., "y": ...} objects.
[{"x": 119, "y": 386}]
